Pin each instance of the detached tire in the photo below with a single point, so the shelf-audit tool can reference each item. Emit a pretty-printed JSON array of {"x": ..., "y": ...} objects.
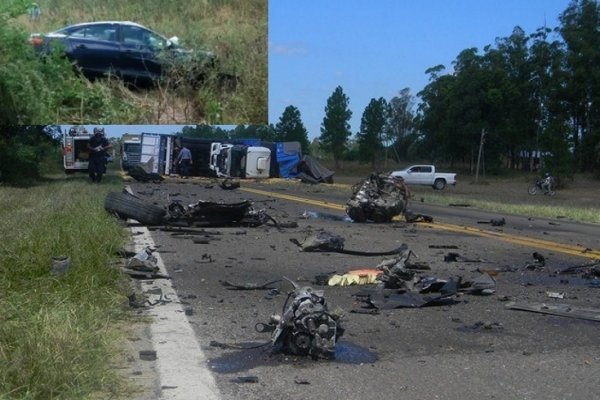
[{"x": 127, "y": 206}]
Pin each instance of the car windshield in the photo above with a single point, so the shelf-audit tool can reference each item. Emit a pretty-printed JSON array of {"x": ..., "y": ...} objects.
[{"x": 138, "y": 36}]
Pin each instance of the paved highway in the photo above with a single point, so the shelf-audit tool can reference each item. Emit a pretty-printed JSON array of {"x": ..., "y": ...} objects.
[{"x": 470, "y": 348}]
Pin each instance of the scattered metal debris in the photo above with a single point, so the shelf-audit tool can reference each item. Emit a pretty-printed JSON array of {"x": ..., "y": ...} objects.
[
  {"x": 143, "y": 265},
  {"x": 325, "y": 241},
  {"x": 494, "y": 222},
  {"x": 562, "y": 310},
  {"x": 387, "y": 299},
  {"x": 482, "y": 285},
  {"x": 143, "y": 261},
  {"x": 250, "y": 286},
  {"x": 229, "y": 184},
  {"x": 306, "y": 326}
]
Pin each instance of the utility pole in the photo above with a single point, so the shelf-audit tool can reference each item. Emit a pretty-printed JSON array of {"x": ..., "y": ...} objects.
[{"x": 481, "y": 142}]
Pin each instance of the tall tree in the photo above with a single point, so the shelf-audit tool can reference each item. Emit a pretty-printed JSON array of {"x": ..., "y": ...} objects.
[
  {"x": 399, "y": 130},
  {"x": 335, "y": 128},
  {"x": 23, "y": 147},
  {"x": 580, "y": 29},
  {"x": 291, "y": 129},
  {"x": 370, "y": 137}
]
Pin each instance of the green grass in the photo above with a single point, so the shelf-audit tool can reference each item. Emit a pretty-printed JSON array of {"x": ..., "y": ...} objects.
[
  {"x": 58, "y": 334},
  {"x": 533, "y": 210}
]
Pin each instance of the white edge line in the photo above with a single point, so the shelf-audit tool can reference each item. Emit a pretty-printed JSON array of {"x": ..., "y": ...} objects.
[{"x": 180, "y": 362}]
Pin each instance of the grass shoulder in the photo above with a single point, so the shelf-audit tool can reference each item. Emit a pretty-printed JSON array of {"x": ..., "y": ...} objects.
[{"x": 58, "y": 332}]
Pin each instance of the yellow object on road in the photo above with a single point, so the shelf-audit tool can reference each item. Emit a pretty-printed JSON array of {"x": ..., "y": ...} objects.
[{"x": 356, "y": 277}]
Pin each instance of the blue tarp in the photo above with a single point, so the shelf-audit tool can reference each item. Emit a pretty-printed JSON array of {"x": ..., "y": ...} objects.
[{"x": 288, "y": 156}]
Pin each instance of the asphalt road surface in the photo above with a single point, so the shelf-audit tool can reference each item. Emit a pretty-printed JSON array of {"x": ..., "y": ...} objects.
[{"x": 472, "y": 347}]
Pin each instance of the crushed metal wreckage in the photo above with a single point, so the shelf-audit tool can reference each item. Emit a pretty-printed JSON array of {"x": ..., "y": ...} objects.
[
  {"x": 208, "y": 213},
  {"x": 307, "y": 326},
  {"x": 379, "y": 198},
  {"x": 199, "y": 214}
]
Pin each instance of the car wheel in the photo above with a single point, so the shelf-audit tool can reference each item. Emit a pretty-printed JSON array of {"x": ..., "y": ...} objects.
[
  {"x": 439, "y": 184},
  {"x": 127, "y": 206}
]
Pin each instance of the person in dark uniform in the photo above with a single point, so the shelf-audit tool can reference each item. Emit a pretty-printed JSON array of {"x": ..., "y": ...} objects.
[
  {"x": 184, "y": 161},
  {"x": 97, "y": 145}
]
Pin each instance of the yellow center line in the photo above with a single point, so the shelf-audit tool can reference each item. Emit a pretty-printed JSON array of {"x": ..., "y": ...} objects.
[{"x": 573, "y": 250}]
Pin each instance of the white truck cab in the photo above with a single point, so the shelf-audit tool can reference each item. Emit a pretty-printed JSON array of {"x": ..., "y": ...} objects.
[{"x": 241, "y": 161}]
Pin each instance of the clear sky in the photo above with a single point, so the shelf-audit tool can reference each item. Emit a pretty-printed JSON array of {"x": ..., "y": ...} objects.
[{"x": 376, "y": 48}]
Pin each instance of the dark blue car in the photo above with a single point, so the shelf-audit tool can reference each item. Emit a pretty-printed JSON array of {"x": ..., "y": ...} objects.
[{"x": 124, "y": 49}]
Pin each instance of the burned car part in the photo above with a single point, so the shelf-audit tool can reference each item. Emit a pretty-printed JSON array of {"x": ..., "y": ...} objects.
[
  {"x": 328, "y": 241},
  {"x": 208, "y": 213},
  {"x": 306, "y": 326},
  {"x": 379, "y": 198},
  {"x": 250, "y": 286},
  {"x": 439, "y": 292}
]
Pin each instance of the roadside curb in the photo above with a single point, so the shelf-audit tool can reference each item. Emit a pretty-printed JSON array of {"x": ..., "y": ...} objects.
[{"x": 180, "y": 362}]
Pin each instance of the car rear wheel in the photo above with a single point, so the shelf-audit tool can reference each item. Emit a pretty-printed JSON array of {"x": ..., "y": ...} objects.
[
  {"x": 128, "y": 206},
  {"x": 439, "y": 184}
]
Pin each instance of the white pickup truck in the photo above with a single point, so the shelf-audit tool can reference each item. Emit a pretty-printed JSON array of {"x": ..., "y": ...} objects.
[{"x": 426, "y": 175}]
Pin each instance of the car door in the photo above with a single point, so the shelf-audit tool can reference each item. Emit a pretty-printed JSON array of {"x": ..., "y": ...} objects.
[
  {"x": 139, "y": 49},
  {"x": 426, "y": 175},
  {"x": 93, "y": 48},
  {"x": 416, "y": 175}
]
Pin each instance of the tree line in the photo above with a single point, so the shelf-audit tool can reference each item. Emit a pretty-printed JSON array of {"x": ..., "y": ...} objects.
[{"x": 531, "y": 100}]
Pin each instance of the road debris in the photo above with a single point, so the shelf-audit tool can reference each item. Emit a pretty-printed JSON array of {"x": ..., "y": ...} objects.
[
  {"x": 435, "y": 293},
  {"x": 412, "y": 217},
  {"x": 245, "y": 379},
  {"x": 364, "y": 276},
  {"x": 562, "y": 310},
  {"x": 494, "y": 222},
  {"x": 379, "y": 198},
  {"x": 60, "y": 265},
  {"x": 250, "y": 286},
  {"x": 325, "y": 241},
  {"x": 484, "y": 284},
  {"x": 139, "y": 174},
  {"x": 307, "y": 326},
  {"x": 455, "y": 257},
  {"x": 143, "y": 261}
]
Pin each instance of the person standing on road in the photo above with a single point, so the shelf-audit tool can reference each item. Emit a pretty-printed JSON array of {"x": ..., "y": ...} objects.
[
  {"x": 97, "y": 145},
  {"x": 184, "y": 161}
]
